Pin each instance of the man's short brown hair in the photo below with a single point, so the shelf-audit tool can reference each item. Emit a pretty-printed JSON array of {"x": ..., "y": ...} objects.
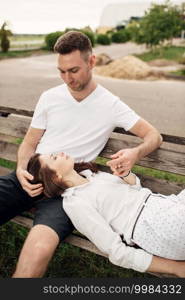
[{"x": 72, "y": 41}]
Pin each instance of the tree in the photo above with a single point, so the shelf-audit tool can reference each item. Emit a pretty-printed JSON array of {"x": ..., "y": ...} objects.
[
  {"x": 4, "y": 33},
  {"x": 162, "y": 22}
]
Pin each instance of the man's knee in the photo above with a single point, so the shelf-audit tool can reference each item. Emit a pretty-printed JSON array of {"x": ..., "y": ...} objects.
[
  {"x": 37, "y": 251},
  {"x": 40, "y": 251},
  {"x": 42, "y": 240}
]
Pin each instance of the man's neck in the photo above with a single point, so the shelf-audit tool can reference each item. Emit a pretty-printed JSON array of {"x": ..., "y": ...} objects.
[{"x": 81, "y": 95}]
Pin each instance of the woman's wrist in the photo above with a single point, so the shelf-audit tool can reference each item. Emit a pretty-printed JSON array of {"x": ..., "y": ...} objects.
[{"x": 124, "y": 176}]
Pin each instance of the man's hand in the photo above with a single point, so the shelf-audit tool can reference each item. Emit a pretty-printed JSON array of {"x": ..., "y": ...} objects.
[
  {"x": 123, "y": 161},
  {"x": 33, "y": 190}
]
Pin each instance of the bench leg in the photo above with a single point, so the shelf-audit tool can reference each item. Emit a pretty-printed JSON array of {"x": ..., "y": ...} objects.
[{"x": 36, "y": 253}]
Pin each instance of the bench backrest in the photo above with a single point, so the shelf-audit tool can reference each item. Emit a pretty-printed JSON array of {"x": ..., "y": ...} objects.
[{"x": 169, "y": 157}]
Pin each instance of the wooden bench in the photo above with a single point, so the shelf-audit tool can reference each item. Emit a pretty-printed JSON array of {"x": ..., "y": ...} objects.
[{"x": 169, "y": 157}]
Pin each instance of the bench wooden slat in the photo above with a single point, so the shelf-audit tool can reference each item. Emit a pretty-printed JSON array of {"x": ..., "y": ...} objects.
[
  {"x": 161, "y": 186},
  {"x": 166, "y": 137},
  {"x": 162, "y": 159},
  {"x": 8, "y": 150},
  {"x": 17, "y": 111},
  {"x": 14, "y": 125},
  {"x": 4, "y": 171}
]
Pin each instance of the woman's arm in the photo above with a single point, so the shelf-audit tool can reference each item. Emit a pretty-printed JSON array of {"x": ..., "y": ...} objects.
[
  {"x": 89, "y": 222},
  {"x": 168, "y": 266}
]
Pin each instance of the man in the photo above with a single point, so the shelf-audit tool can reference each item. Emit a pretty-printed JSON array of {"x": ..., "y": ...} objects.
[{"x": 76, "y": 117}]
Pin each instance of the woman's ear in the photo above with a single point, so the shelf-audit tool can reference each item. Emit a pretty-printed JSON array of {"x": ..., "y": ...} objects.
[{"x": 58, "y": 177}]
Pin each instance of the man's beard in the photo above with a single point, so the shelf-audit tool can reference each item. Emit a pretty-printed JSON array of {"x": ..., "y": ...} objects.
[{"x": 81, "y": 86}]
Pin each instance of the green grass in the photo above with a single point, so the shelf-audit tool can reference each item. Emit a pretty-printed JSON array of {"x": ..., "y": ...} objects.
[
  {"x": 178, "y": 73},
  {"x": 170, "y": 53},
  {"x": 159, "y": 174},
  {"x": 18, "y": 141},
  {"x": 7, "y": 164},
  {"x": 23, "y": 53}
]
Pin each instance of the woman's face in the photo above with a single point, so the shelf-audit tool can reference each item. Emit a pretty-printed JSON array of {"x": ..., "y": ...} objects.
[{"x": 61, "y": 163}]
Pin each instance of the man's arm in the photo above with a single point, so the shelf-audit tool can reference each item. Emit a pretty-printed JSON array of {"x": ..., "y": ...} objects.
[
  {"x": 26, "y": 150},
  {"x": 150, "y": 135},
  {"x": 123, "y": 160}
]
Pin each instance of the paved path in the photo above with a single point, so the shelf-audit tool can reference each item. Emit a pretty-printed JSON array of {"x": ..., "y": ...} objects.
[
  {"x": 117, "y": 50},
  {"x": 161, "y": 101}
]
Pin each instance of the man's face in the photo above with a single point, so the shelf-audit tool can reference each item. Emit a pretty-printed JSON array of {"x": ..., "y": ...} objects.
[{"x": 75, "y": 71}]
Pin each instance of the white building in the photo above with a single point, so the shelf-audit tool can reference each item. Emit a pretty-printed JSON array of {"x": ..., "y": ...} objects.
[{"x": 115, "y": 13}]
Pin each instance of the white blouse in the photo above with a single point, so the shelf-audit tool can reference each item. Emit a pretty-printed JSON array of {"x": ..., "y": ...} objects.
[{"x": 104, "y": 209}]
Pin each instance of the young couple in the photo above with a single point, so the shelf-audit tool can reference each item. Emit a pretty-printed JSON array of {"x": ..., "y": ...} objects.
[{"x": 77, "y": 118}]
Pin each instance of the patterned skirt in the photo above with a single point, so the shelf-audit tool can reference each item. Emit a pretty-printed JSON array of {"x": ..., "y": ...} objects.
[{"x": 160, "y": 229}]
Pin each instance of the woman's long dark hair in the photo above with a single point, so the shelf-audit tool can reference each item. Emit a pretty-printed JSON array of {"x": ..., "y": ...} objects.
[{"x": 46, "y": 176}]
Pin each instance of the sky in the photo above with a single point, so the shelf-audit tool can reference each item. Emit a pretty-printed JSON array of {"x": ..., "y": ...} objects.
[{"x": 44, "y": 16}]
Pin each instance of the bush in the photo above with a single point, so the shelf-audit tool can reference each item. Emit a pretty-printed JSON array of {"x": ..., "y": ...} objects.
[
  {"x": 51, "y": 39},
  {"x": 103, "y": 39},
  {"x": 90, "y": 35},
  {"x": 121, "y": 36}
]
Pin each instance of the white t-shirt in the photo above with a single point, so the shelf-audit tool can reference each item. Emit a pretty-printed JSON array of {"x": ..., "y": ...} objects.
[
  {"x": 80, "y": 129},
  {"x": 104, "y": 209}
]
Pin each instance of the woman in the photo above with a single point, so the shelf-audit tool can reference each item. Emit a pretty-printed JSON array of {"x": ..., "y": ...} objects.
[{"x": 133, "y": 226}]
